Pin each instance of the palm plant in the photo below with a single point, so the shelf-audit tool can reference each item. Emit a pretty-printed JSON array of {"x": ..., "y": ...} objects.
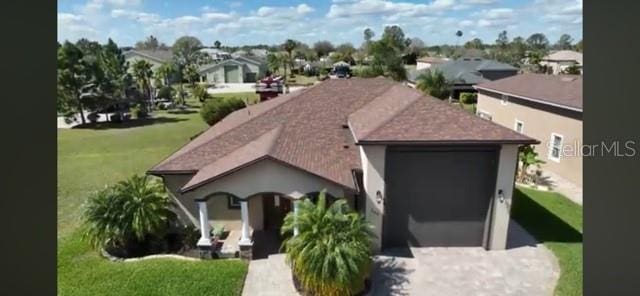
[
  {"x": 434, "y": 84},
  {"x": 527, "y": 157},
  {"x": 331, "y": 255},
  {"x": 126, "y": 213},
  {"x": 142, "y": 73}
]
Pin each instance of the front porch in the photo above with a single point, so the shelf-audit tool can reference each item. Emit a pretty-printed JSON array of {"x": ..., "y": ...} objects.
[{"x": 258, "y": 234}]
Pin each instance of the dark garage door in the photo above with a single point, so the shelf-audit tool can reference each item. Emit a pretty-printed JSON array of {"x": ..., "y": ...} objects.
[{"x": 438, "y": 196}]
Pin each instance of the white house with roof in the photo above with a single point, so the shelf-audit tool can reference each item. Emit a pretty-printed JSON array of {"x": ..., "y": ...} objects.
[{"x": 561, "y": 60}]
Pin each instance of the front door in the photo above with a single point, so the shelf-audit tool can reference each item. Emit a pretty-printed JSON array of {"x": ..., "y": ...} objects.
[{"x": 275, "y": 209}]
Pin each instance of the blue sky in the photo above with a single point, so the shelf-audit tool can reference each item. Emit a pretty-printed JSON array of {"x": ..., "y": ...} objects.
[{"x": 238, "y": 22}]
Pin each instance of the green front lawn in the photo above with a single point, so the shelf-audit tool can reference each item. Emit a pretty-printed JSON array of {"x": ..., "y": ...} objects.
[
  {"x": 89, "y": 159},
  {"x": 556, "y": 222}
]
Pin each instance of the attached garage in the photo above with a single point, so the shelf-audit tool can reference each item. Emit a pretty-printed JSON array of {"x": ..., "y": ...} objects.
[{"x": 438, "y": 196}]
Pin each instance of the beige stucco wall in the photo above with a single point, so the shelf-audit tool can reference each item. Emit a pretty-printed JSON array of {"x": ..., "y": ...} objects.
[
  {"x": 263, "y": 177},
  {"x": 501, "y": 208},
  {"x": 373, "y": 158},
  {"x": 540, "y": 124}
]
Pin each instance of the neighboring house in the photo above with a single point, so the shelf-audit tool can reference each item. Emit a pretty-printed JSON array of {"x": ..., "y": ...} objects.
[
  {"x": 545, "y": 107},
  {"x": 422, "y": 172},
  {"x": 466, "y": 72},
  {"x": 560, "y": 60},
  {"x": 237, "y": 70},
  {"x": 217, "y": 55},
  {"x": 155, "y": 57},
  {"x": 427, "y": 62}
]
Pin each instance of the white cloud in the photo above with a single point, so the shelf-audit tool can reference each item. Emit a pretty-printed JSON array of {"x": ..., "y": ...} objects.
[
  {"x": 388, "y": 8},
  {"x": 495, "y": 17},
  {"x": 304, "y": 8},
  {"x": 142, "y": 17}
]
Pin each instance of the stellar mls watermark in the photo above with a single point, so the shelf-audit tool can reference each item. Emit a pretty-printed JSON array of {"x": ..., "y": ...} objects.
[{"x": 615, "y": 148}]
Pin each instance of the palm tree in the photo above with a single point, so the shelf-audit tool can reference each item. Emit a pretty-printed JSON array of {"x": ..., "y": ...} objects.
[
  {"x": 289, "y": 45},
  {"x": 527, "y": 157},
  {"x": 126, "y": 213},
  {"x": 164, "y": 71},
  {"x": 142, "y": 73},
  {"x": 434, "y": 84},
  {"x": 331, "y": 255},
  {"x": 458, "y": 34}
]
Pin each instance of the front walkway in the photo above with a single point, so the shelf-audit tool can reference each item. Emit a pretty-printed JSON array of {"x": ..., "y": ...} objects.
[{"x": 526, "y": 268}]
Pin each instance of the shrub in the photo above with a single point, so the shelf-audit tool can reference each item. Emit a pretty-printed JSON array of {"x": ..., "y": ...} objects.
[
  {"x": 166, "y": 92},
  {"x": 124, "y": 214},
  {"x": 366, "y": 72},
  {"x": 93, "y": 117},
  {"x": 200, "y": 93},
  {"x": 216, "y": 109},
  {"x": 139, "y": 112},
  {"x": 468, "y": 98},
  {"x": 331, "y": 255}
]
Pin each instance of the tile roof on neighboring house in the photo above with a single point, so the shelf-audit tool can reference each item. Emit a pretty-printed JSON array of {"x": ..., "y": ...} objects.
[
  {"x": 563, "y": 91},
  {"x": 159, "y": 55},
  {"x": 317, "y": 129},
  {"x": 235, "y": 61},
  {"x": 466, "y": 70},
  {"x": 564, "y": 55}
]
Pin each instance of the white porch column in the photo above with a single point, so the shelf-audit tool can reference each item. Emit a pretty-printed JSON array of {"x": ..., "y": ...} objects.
[
  {"x": 295, "y": 217},
  {"x": 244, "y": 211},
  {"x": 205, "y": 232}
]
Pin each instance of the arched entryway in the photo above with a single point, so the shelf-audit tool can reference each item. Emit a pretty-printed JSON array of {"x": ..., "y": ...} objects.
[{"x": 267, "y": 211}]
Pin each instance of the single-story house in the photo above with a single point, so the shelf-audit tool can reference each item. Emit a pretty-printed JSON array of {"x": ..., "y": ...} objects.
[
  {"x": 427, "y": 62},
  {"x": 155, "y": 57},
  {"x": 465, "y": 72},
  {"x": 422, "y": 172},
  {"x": 237, "y": 70},
  {"x": 562, "y": 59},
  {"x": 545, "y": 107}
]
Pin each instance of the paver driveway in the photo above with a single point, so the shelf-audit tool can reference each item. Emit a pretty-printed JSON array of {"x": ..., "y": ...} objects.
[{"x": 525, "y": 268}]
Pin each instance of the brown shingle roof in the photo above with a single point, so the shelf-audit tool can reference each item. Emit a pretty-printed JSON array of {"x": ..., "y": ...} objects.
[
  {"x": 559, "y": 90},
  {"x": 308, "y": 130}
]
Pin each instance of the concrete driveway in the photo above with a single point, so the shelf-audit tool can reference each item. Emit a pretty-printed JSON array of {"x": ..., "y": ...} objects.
[{"x": 525, "y": 268}]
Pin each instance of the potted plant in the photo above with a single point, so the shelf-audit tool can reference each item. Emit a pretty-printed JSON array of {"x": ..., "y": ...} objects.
[{"x": 332, "y": 252}]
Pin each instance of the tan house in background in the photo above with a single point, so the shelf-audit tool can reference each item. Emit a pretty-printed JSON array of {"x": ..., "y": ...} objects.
[
  {"x": 545, "y": 107},
  {"x": 561, "y": 60}
]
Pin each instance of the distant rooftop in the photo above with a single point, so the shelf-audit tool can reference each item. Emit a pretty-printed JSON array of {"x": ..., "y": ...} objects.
[
  {"x": 564, "y": 91},
  {"x": 565, "y": 55},
  {"x": 466, "y": 70},
  {"x": 160, "y": 55}
]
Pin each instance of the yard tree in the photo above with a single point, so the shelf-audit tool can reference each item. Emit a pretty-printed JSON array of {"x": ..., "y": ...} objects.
[
  {"x": 151, "y": 43},
  {"x": 217, "y": 44},
  {"x": 185, "y": 52},
  {"x": 142, "y": 73},
  {"x": 289, "y": 46},
  {"x": 323, "y": 48},
  {"x": 458, "y": 34},
  {"x": 368, "y": 34},
  {"x": 116, "y": 77},
  {"x": 345, "y": 52},
  {"x": 538, "y": 41},
  {"x": 164, "y": 72},
  {"x": 273, "y": 62},
  {"x": 564, "y": 42},
  {"x": 579, "y": 46},
  {"x": 387, "y": 54},
  {"x": 503, "y": 41},
  {"x": 416, "y": 49},
  {"x": 191, "y": 74},
  {"x": 434, "y": 84},
  {"x": 475, "y": 43},
  {"x": 72, "y": 78}
]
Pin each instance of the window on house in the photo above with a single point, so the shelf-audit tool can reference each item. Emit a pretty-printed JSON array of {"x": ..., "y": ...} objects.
[
  {"x": 233, "y": 202},
  {"x": 504, "y": 99},
  {"x": 485, "y": 115},
  {"x": 519, "y": 126},
  {"x": 555, "y": 148}
]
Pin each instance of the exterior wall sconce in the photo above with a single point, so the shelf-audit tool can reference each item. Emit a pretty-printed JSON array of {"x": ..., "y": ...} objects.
[
  {"x": 500, "y": 196},
  {"x": 378, "y": 197}
]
